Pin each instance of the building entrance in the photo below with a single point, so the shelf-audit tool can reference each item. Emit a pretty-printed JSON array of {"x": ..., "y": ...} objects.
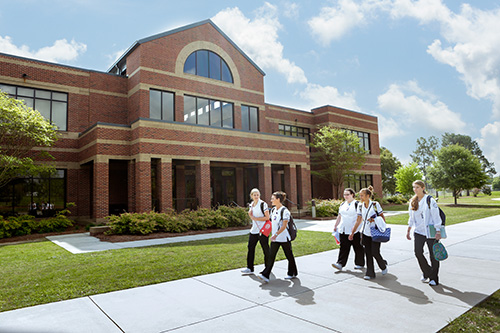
[{"x": 223, "y": 184}]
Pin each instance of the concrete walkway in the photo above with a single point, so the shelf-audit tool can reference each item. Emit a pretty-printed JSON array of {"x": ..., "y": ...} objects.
[{"x": 319, "y": 300}]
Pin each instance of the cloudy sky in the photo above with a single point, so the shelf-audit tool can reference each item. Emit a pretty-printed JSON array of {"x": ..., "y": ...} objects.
[{"x": 422, "y": 67}]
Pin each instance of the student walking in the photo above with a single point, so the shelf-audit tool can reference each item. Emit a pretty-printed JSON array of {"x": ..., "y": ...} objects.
[
  {"x": 367, "y": 212},
  {"x": 424, "y": 212},
  {"x": 259, "y": 213},
  {"x": 345, "y": 222},
  {"x": 280, "y": 216}
]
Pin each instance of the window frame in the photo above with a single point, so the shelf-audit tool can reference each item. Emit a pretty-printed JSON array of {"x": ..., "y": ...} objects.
[
  {"x": 210, "y": 103},
  {"x": 249, "y": 120},
  {"x": 224, "y": 69},
  {"x": 162, "y": 111}
]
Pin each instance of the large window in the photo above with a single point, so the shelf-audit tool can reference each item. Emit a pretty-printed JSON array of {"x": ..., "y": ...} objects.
[
  {"x": 249, "y": 118},
  {"x": 290, "y": 130},
  {"x": 52, "y": 105},
  {"x": 40, "y": 195},
  {"x": 208, "y": 64},
  {"x": 161, "y": 105},
  {"x": 364, "y": 139},
  {"x": 204, "y": 111},
  {"x": 357, "y": 182}
]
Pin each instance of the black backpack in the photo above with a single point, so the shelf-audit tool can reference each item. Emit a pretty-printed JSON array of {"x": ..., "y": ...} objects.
[
  {"x": 442, "y": 215},
  {"x": 291, "y": 227}
]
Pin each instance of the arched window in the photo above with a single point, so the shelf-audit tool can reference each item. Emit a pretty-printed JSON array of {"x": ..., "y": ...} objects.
[{"x": 208, "y": 64}]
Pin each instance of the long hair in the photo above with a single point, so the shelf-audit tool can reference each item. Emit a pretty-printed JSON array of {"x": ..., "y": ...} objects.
[{"x": 414, "y": 199}]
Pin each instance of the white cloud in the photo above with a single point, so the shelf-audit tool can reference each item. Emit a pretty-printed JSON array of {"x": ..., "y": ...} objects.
[
  {"x": 259, "y": 39},
  {"x": 291, "y": 10},
  {"x": 412, "y": 106},
  {"x": 61, "y": 50},
  {"x": 389, "y": 128},
  {"x": 318, "y": 95},
  {"x": 490, "y": 142},
  {"x": 423, "y": 10}
]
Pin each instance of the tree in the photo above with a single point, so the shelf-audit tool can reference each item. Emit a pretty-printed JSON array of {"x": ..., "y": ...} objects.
[
  {"x": 457, "y": 169},
  {"x": 496, "y": 183},
  {"x": 338, "y": 153},
  {"x": 388, "y": 165},
  {"x": 423, "y": 155},
  {"x": 21, "y": 130},
  {"x": 472, "y": 145},
  {"x": 405, "y": 176}
]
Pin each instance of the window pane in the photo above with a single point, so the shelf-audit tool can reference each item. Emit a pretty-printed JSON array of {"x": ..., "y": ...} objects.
[
  {"x": 214, "y": 60},
  {"x": 8, "y": 89},
  {"x": 190, "y": 64},
  {"x": 59, "y": 114},
  {"x": 227, "y": 115},
  {"x": 154, "y": 104},
  {"x": 215, "y": 113},
  {"x": 25, "y": 92},
  {"x": 60, "y": 96},
  {"x": 27, "y": 101},
  {"x": 57, "y": 191},
  {"x": 42, "y": 94},
  {"x": 168, "y": 106},
  {"x": 203, "y": 111},
  {"x": 190, "y": 109},
  {"x": 226, "y": 73},
  {"x": 43, "y": 107},
  {"x": 254, "y": 120},
  {"x": 245, "y": 123},
  {"x": 202, "y": 63}
]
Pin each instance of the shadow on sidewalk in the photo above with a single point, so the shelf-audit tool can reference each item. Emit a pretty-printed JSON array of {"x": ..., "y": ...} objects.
[
  {"x": 469, "y": 297},
  {"x": 293, "y": 288}
]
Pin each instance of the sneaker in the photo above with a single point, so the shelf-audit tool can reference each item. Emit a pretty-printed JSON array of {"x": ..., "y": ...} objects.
[
  {"x": 367, "y": 277},
  {"x": 424, "y": 279},
  {"x": 384, "y": 271},
  {"x": 263, "y": 278},
  {"x": 247, "y": 271},
  {"x": 289, "y": 277},
  {"x": 358, "y": 267},
  {"x": 337, "y": 266},
  {"x": 432, "y": 283}
]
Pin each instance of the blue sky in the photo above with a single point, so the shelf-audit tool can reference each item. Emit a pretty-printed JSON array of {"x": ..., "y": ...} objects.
[{"x": 422, "y": 67}]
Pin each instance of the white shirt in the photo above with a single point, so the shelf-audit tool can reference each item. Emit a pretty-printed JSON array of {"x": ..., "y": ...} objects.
[
  {"x": 257, "y": 212},
  {"x": 366, "y": 213},
  {"x": 423, "y": 216},
  {"x": 349, "y": 215},
  {"x": 277, "y": 223}
]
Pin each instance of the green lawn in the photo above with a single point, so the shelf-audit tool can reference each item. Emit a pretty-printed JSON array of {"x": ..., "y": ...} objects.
[{"x": 41, "y": 272}]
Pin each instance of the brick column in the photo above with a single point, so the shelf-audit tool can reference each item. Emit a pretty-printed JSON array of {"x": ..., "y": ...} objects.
[
  {"x": 265, "y": 182},
  {"x": 291, "y": 183},
  {"x": 179, "y": 108},
  {"x": 101, "y": 188},
  {"x": 143, "y": 184},
  {"x": 85, "y": 200},
  {"x": 165, "y": 184},
  {"x": 240, "y": 194},
  {"x": 131, "y": 185},
  {"x": 180, "y": 187},
  {"x": 203, "y": 183},
  {"x": 304, "y": 189},
  {"x": 237, "y": 116}
]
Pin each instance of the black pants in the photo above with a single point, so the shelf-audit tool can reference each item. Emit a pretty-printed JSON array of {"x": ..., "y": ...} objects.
[
  {"x": 431, "y": 271},
  {"x": 345, "y": 248},
  {"x": 253, "y": 239},
  {"x": 372, "y": 250},
  {"x": 287, "y": 248}
]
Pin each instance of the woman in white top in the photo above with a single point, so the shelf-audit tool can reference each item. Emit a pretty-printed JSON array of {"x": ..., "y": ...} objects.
[
  {"x": 367, "y": 212},
  {"x": 259, "y": 213},
  {"x": 421, "y": 216},
  {"x": 345, "y": 222},
  {"x": 280, "y": 238}
]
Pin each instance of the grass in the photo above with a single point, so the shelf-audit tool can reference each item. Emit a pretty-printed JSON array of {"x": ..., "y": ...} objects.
[
  {"x": 39, "y": 273},
  {"x": 484, "y": 317}
]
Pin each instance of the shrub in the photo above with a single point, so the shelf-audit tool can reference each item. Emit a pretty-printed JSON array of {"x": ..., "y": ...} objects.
[
  {"x": 326, "y": 208},
  {"x": 486, "y": 190},
  {"x": 397, "y": 199},
  {"x": 27, "y": 224}
]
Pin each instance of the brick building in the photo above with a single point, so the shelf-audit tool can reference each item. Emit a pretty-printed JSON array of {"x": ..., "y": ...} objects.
[{"x": 180, "y": 120}]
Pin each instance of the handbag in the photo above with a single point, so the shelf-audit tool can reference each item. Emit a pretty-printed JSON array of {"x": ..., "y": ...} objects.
[
  {"x": 336, "y": 235},
  {"x": 266, "y": 228},
  {"x": 439, "y": 251},
  {"x": 379, "y": 236}
]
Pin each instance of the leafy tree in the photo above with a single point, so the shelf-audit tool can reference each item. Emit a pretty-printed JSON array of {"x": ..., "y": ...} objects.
[
  {"x": 388, "y": 164},
  {"x": 405, "y": 176},
  {"x": 21, "y": 130},
  {"x": 423, "y": 155},
  {"x": 496, "y": 183},
  {"x": 472, "y": 145},
  {"x": 338, "y": 153},
  {"x": 457, "y": 169}
]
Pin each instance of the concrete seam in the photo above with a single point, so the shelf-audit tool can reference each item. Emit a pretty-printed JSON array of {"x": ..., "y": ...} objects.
[{"x": 90, "y": 297}]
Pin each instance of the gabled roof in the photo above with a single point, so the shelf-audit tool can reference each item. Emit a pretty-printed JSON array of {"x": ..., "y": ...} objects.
[{"x": 122, "y": 58}]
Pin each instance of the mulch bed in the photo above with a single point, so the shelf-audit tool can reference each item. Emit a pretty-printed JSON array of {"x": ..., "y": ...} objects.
[{"x": 41, "y": 237}]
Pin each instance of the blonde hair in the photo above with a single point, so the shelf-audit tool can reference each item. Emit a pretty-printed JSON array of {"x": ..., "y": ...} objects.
[
  {"x": 414, "y": 199},
  {"x": 253, "y": 191},
  {"x": 368, "y": 191}
]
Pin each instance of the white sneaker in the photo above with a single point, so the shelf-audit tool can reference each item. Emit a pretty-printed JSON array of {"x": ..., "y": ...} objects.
[
  {"x": 358, "y": 267},
  {"x": 337, "y": 266},
  {"x": 424, "y": 279},
  {"x": 263, "y": 278},
  {"x": 289, "y": 277},
  {"x": 432, "y": 283},
  {"x": 367, "y": 277},
  {"x": 247, "y": 271},
  {"x": 384, "y": 271}
]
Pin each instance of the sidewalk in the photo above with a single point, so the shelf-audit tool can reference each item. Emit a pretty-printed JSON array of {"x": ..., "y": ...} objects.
[{"x": 319, "y": 300}]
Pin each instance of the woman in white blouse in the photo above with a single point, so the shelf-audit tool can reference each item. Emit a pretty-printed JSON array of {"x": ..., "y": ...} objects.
[
  {"x": 259, "y": 213},
  {"x": 345, "y": 222},
  {"x": 367, "y": 212},
  {"x": 422, "y": 214}
]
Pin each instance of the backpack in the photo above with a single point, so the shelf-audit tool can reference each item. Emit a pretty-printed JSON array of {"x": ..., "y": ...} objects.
[
  {"x": 442, "y": 215},
  {"x": 291, "y": 227},
  {"x": 356, "y": 203}
]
